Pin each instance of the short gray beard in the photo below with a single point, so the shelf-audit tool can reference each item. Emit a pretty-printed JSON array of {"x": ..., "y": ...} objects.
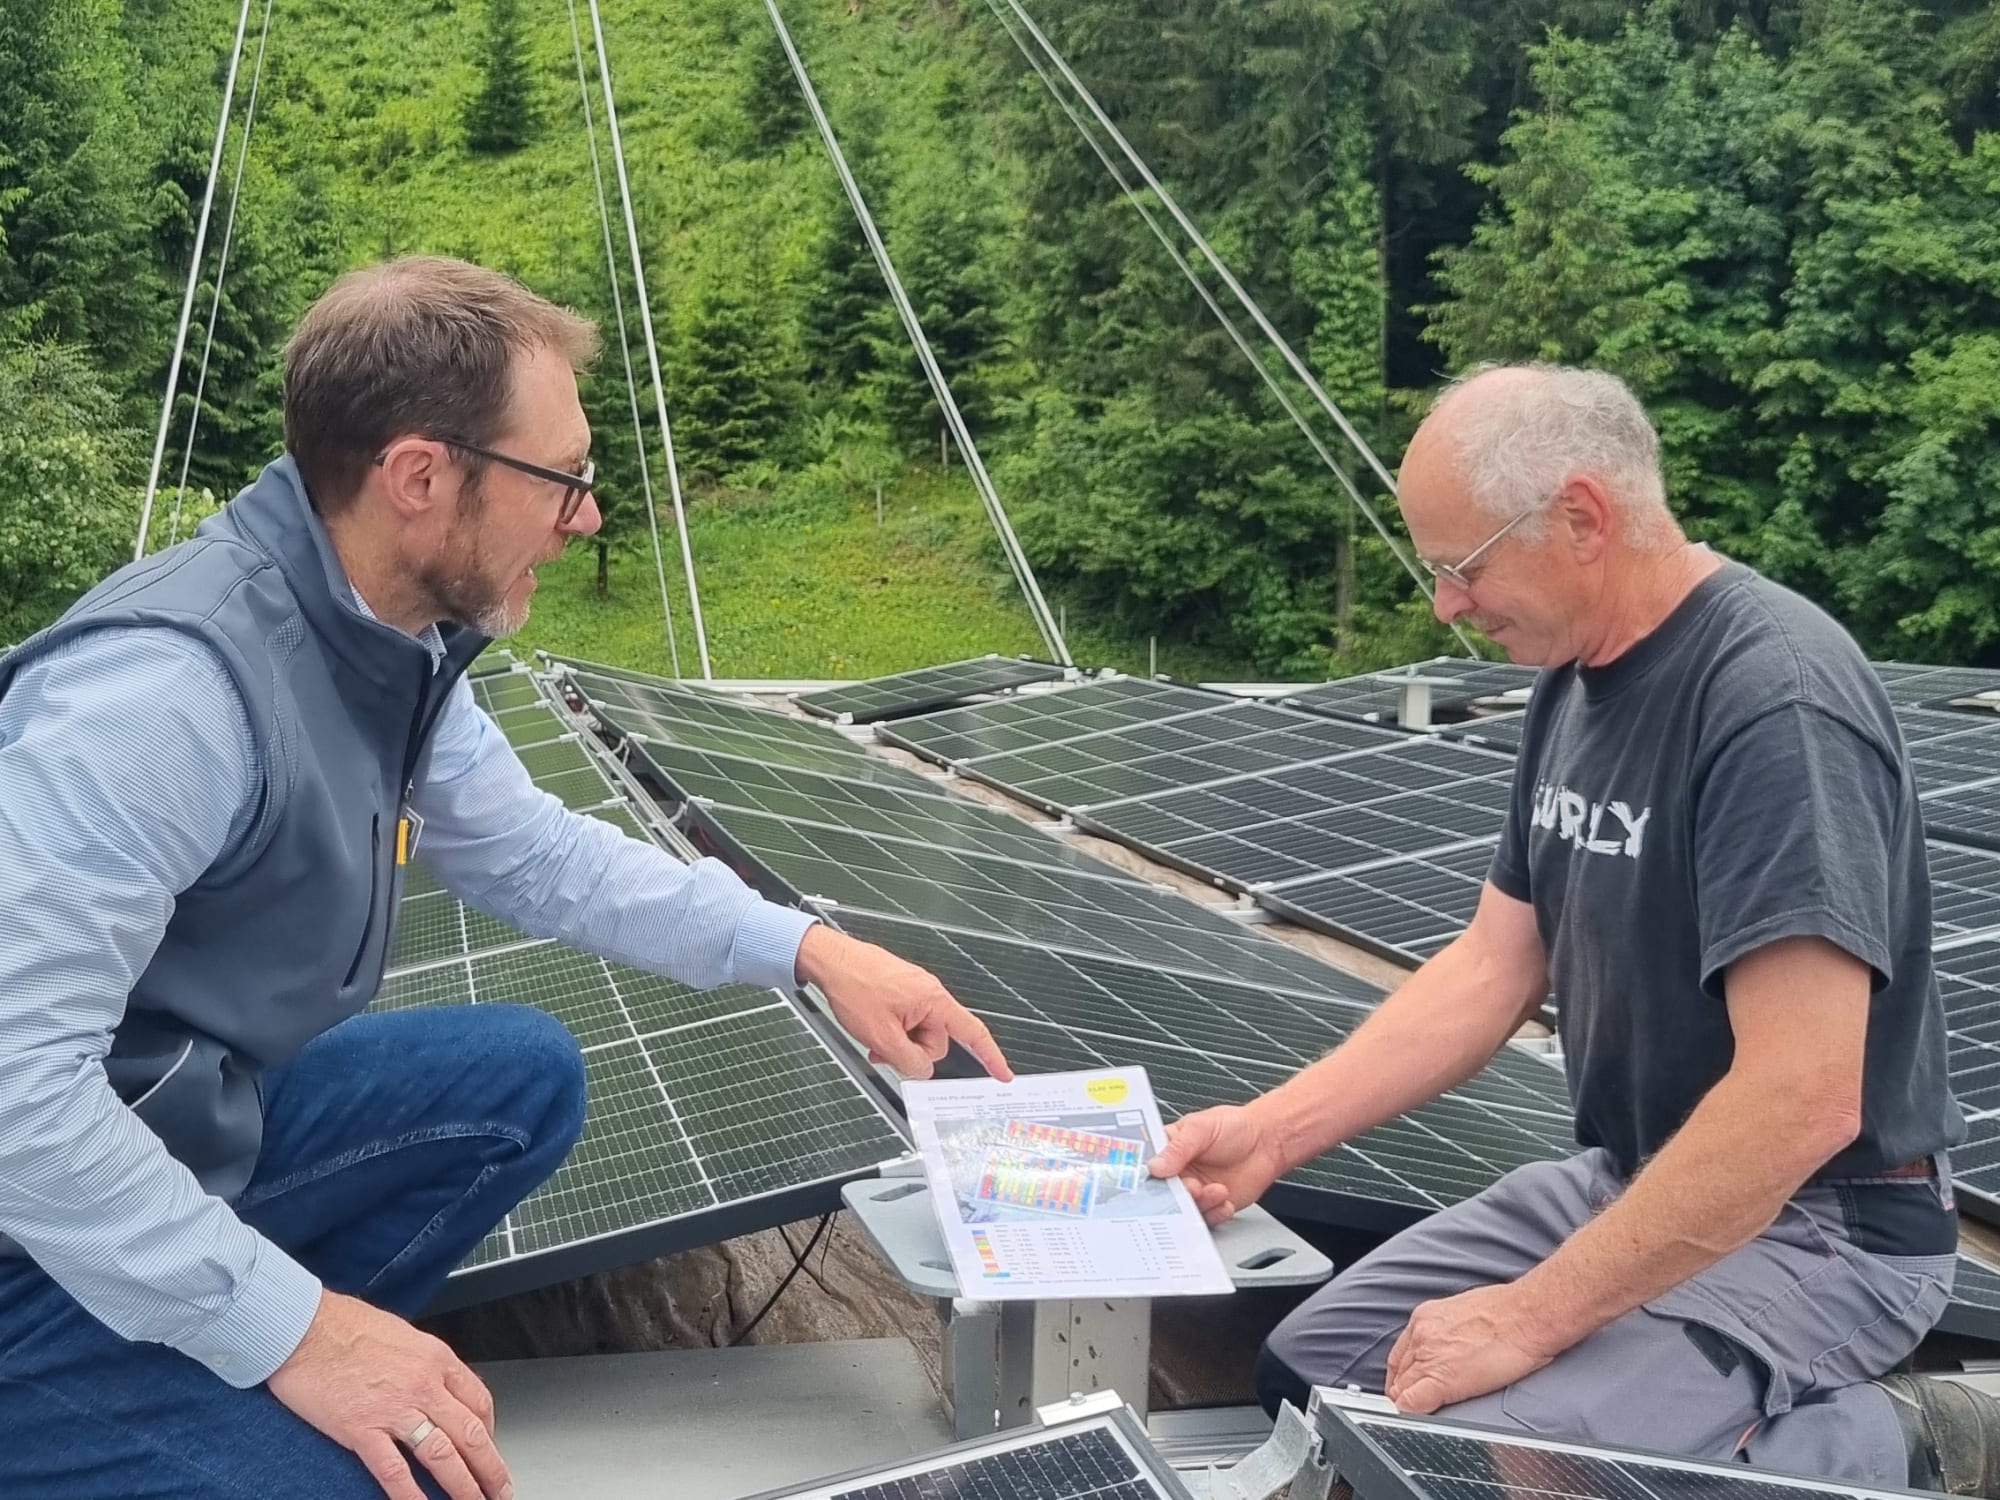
[
  {"x": 460, "y": 597},
  {"x": 456, "y": 587}
]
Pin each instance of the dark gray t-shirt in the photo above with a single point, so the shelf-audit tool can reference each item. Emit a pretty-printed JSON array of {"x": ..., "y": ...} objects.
[{"x": 1737, "y": 777}]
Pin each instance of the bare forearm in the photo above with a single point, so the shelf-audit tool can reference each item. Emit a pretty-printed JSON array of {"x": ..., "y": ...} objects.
[
  {"x": 1435, "y": 1032},
  {"x": 1707, "y": 1193}
]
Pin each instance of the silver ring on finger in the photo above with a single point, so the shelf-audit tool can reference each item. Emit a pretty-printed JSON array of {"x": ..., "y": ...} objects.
[{"x": 421, "y": 1431}]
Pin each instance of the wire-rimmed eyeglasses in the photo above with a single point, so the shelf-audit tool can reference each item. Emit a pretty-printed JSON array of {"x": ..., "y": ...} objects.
[{"x": 1460, "y": 572}]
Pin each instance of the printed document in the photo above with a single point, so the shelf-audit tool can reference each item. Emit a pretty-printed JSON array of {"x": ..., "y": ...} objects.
[{"x": 1042, "y": 1191}]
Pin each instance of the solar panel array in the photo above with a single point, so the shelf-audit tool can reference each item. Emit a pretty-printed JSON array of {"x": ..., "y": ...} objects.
[
  {"x": 1045, "y": 718},
  {"x": 1073, "y": 963},
  {"x": 1377, "y": 696},
  {"x": 1909, "y": 684},
  {"x": 1167, "y": 753},
  {"x": 1955, "y": 755},
  {"x": 1969, "y": 979},
  {"x": 1386, "y": 840},
  {"x": 1408, "y": 797},
  {"x": 1404, "y": 909},
  {"x": 1965, "y": 891},
  {"x": 711, "y": 1113},
  {"x": 1354, "y": 829},
  {"x": 930, "y": 687}
]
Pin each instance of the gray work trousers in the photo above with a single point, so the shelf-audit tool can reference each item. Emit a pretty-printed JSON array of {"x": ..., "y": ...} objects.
[{"x": 1765, "y": 1356}]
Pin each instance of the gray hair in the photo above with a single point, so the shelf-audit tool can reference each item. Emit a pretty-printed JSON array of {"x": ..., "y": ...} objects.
[{"x": 1517, "y": 442}]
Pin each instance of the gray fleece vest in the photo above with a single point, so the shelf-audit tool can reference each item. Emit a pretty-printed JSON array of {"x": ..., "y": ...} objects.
[{"x": 290, "y": 932}]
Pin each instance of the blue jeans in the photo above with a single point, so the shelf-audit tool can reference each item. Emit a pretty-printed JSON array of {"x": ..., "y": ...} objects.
[{"x": 392, "y": 1144}]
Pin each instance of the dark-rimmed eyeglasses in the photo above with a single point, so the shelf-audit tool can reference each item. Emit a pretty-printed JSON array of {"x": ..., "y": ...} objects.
[
  {"x": 574, "y": 485},
  {"x": 1460, "y": 572}
]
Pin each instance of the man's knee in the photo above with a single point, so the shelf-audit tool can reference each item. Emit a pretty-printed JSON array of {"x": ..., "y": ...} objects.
[{"x": 541, "y": 1066}]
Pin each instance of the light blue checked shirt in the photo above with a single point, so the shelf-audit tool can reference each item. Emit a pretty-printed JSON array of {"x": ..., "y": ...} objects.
[{"x": 126, "y": 770}]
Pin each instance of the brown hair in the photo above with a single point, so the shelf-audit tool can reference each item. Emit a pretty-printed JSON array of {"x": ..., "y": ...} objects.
[{"x": 423, "y": 344}]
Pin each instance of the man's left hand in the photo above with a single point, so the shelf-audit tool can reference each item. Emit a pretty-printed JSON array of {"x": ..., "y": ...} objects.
[
  {"x": 902, "y": 1014},
  {"x": 1465, "y": 1346}
]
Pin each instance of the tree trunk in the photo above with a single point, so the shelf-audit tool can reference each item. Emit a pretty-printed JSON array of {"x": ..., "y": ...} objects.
[{"x": 603, "y": 571}]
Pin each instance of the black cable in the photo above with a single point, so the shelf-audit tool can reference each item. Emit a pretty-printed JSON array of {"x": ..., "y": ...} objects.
[{"x": 798, "y": 1265}]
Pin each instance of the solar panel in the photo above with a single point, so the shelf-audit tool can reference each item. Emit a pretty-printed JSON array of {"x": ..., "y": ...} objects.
[
  {"x": 1974, "y": 1309},
  {"x": 505, "y": 690},
  {"x": 1957, "y": 760},
  {"x": 1207, "y": 1040},
  {"x": 677, "y": 703},
  {"x": 1389, "y": 1456},
  {"x": 1246, "y": 795},
  {"x": 1106, "y": 1457},
  {"x": 1376, "y": 697},
  {"x": 1969, "y": 980},
  {"x": 1909, "y": 683},
  {"x": 1044, "y": 718},
  {"x": 673, "y": 717},
  {"x": 1072, "y": 969},
  {"x": 1403, "y": 909},
  {"x": 915, "y": 692},
  {"x": 493, "y": 659},
  {"x": 712, "y": 1113},
  {"x": 1965, "y": 890},
  {"x": 837, "y": 870},
  {"x": 1409, "y": 796},
  {"x": 1969, "y": 816},
  {"x": 934, "y": 818},
  {"x": 1920, "y": 724},
  {"x": 1947, "y": 684},
  {"x": 1187, "y": 750}
]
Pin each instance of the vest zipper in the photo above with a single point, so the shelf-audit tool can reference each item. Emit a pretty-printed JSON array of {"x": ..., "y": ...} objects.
[
  {"x": 433, "y": 692},
  {"x": 374, "y": 890}
]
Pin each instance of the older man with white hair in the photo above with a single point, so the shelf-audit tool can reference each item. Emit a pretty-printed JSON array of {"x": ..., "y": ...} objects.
[{"x": 1714, "y": 856}]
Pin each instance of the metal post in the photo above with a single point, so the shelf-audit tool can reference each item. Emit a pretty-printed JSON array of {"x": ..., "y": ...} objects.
[
  {"x": 652, "y": 347},
  {"x": 194, "y": 278},
  {"x": 1415, "y": 709}
]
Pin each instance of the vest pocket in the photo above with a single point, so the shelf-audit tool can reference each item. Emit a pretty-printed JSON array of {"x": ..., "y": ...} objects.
[
  {"x": 374, "y": 891},
  {"x": 194, "y": 1093}
]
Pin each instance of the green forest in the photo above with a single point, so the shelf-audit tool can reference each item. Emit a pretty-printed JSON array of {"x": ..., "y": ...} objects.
[{"x": 1779, "y": 219}]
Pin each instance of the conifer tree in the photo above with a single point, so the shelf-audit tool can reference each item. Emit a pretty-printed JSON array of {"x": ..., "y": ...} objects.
[
  {"x": 774, "y": 110},
  {"x": 726, "y": 378},
  {"x": 500, "y": 116}
]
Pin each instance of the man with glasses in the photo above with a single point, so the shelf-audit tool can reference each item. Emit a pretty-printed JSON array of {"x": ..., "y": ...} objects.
[
  {"x": 1713, "y": 854},
  {"x": 222, "y": 1189}
]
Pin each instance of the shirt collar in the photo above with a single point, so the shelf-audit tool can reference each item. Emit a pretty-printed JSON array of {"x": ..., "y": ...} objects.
[{"x": 428, "y": 637}]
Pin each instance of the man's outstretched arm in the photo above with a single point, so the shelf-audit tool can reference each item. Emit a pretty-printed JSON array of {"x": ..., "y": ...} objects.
[
  {"x": 1440, "y": 1028},
  {"x": 515, "y": 852}
]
